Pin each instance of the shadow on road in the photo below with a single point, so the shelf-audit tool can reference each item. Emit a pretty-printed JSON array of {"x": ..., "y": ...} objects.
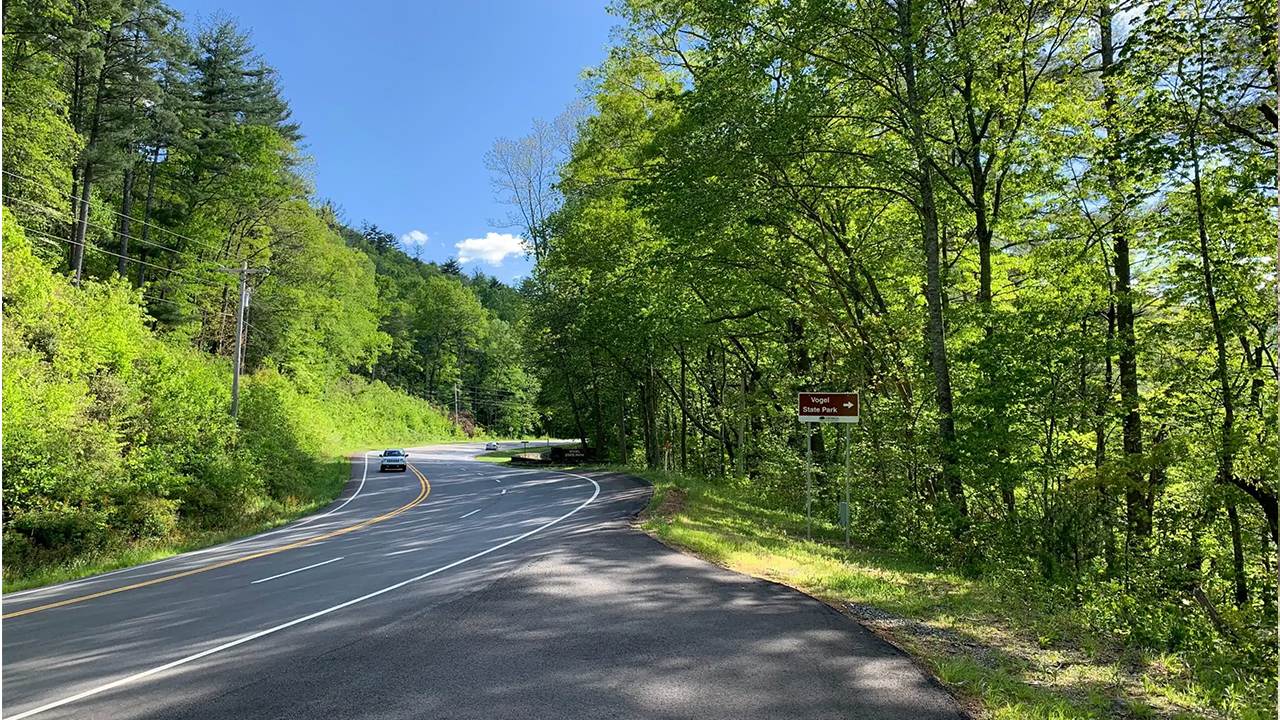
[{"x": 590, "y": 621}]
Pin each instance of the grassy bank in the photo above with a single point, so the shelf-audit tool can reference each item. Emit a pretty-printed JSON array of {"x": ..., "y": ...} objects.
[
  {"x": 314, "y": 476},
  {"x": 503, "y": 457},
  {"x": 500, "y": 457},
  {"x": 118, "y": 447},
  {"x": 1005, "y": 648},
  {"x": 185, "y": 539}
]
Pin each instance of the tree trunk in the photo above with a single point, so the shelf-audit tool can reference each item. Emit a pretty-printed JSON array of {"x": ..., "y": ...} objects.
[
  {"x": 927, "y": 208},
  {"x": 126, "y": 208},
  {"x": 82, "y": 222},
  {"x": 684, "y": 425},
  {"x": 1237, "y": 556},
  {"x": 86, "y": 189},
  {"x": 1100, "y": 448},
  {"x": 573, "y": 399},
  {"x": 1139, "y": 522},
  {"x": 1226, "y": 453},
  {"x": 602, "y": 441},
  {"x": 649, "y": 405},
  {"x": 76, "y": 117},
  {"x": 146, "y": 209},
  {"x": 742, "y": 427},
  {"x": 75, "y": 215},
  {"x": 622, "y": 428}
]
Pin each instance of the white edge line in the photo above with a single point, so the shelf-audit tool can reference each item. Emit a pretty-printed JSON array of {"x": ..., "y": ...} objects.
[
  {"x": 298, "y": 621},
  {"x": 473, "y": 512},
  {"x": 193, "y": 553},
  {"x": 290, "y": 572}
]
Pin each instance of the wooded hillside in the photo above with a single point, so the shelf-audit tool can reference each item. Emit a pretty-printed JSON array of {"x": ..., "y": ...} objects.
[
  {"x": 143, "y": 160},
  {"x": 1038, "y": 237}
]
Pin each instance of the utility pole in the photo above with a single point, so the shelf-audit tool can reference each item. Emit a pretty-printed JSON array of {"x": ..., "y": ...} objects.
[
  {"x": 237, "y": 362},
  {"x": 455, "y": 404}
]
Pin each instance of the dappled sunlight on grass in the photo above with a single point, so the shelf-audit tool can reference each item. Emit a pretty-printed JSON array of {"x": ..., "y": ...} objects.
[{"x": 1007, "y": 654}]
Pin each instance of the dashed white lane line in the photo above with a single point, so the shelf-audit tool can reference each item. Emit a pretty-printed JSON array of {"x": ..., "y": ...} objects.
[
  {"x": 273, "y": 577},
  {"x": 401, "y": 552},
  {"x": 473, "y": 512},
  {"x": 305, "y": 618}
]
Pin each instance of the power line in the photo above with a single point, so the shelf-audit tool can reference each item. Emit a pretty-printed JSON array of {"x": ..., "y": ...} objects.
[
  {"x": 100, "y": 249},
  {"x": 58, "y": 214},
  {"x": 114, "y": 211},
  {"x": 42, "y": 239},
  {"x": 177, "y": 304},
  {"x": 486, "y": 391},
  {"x": 447, "y": 398},
  {"x": 155, "y": 298},
  {"x": 193, "y": 278}
]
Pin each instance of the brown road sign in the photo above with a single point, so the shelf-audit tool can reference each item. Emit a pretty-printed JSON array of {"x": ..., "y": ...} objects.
[{"x": 828, "y": 407}]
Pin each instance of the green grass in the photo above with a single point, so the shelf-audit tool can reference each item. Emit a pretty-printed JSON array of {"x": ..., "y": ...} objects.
[
  {"x": 321, "y": 493},
  {"x": 334, "y": 478},
  {"x": 1004, "y": 655},
  {"x": 502, "y": 457}
]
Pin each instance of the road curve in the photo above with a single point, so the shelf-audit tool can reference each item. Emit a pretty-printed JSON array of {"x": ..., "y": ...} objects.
[{"x": 454, "y": 589}]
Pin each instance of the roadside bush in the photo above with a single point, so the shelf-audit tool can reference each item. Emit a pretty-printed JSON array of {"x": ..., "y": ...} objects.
[
  {"x": 58, "y": 533},
  {"x": 140, "y": 516},
  {"x": 227, "y": 494},
  {"x": 115, "y": 436}
]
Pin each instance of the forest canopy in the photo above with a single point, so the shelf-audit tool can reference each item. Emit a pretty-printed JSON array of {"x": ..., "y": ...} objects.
[
  {"x": 1037, "y": 237},
  {"x": 146, "y": 161}
]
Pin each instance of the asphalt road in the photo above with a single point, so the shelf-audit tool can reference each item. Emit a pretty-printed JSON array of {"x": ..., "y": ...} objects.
[{"x": 456, "y": 589}]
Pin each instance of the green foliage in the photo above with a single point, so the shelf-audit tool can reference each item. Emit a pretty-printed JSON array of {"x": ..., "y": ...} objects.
[
  {"x": 118, "y": 438},
  {"x": 146, "y": 159},
  {"x": 1037, "y": 238},
  {"x": 1019, "y": 646},
  {"x": 448, "y": 332}
]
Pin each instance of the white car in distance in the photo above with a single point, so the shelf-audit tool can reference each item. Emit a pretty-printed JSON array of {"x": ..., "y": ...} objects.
[{"x": 393, "y": 460}]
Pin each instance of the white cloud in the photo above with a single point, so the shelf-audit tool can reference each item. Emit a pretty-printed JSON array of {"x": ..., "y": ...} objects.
[
  {"x": 414, "y": 237},
  {"x": 492, "y": 249}
]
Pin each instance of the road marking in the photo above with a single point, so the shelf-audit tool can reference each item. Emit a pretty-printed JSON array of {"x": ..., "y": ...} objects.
[
  {"x": 473, "y": 512},
  {"x": 305, "y": 618},
  {"x": 401, "y": 552},
  {"x": 273, "y": 577},
  {"x": 422, "y": 495},
  {"x": 223, "y": 546}
]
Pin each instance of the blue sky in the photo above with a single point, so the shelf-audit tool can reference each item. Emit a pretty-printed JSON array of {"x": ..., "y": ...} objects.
[{"x": 400, "y": 100}]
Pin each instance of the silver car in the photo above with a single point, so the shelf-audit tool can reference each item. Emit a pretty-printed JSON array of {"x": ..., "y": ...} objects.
[
  {"x": 393, "y": 460},
  {"x": 491, "y": 446}
]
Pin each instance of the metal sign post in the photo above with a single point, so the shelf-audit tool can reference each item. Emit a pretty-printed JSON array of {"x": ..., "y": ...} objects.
[
  {"x": 808, "y": 482},
  {"x": 848, "y": 477},
  {"x": 826, "y": 407}
]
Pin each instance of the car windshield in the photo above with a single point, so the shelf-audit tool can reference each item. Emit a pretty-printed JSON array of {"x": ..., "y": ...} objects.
[{"x": 393, "y": 453}]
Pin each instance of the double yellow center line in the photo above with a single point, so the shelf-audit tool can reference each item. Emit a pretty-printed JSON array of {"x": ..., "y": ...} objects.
[{"x": 422, "y": 495}]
